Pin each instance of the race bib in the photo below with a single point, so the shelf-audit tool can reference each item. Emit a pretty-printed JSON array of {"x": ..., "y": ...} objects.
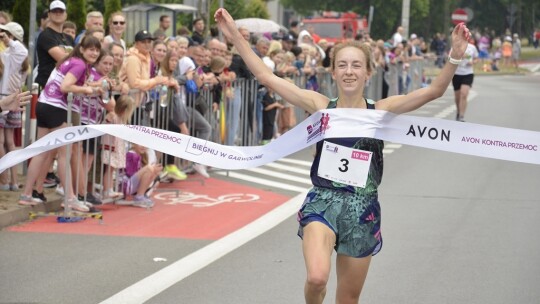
[{"x": 344, "y": 165}]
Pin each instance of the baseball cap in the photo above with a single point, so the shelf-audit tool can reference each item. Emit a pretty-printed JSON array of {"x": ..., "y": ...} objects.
[
  {"x": 56, "y": 4},
  {"x": 288, "y": 37},
  {"x": 143, "y": 35},
  {"x": 413, "y": 36},
  {"x": 14, "y": 29}
]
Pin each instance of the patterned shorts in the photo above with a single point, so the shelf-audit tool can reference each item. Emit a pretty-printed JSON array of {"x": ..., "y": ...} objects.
[{"x": 355, "y": 219}]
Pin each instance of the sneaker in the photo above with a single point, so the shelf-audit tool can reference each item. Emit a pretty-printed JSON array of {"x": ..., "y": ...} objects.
[
  {"x": 142, "y": 201},
  {"x": 4, "y": 187},
  {"x": 59, "y": 190},
  {"x": 28, "y": 200},
  {"x": 75, "y": 204},
  {"x": 39, "y": 196},
  {"x": 201, "y": 169},
  {"x": 174, "y": 173},
  {"x": 90, "y": 198},
  {"x": 14, "y": 187},
  {"x": 51, "y": 180}
]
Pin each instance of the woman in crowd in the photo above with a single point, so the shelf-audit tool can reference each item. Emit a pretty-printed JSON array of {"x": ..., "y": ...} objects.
[
  {"x": 15, "y": 67},
  {"x": 69, "y": 76},
  {"x": 117, "y": 26}
]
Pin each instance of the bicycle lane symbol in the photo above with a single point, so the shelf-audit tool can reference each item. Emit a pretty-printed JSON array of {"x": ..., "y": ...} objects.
[{"x": 203, "y": 200}]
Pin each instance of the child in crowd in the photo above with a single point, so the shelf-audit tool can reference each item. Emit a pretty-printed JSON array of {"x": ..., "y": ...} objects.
[
  {"x": 91, "y": 109},
  {"x": 269, "y": 115},
  {"x": 69, "y": 28},
  {"x": 113, "y": 154},
  {"x": 141, "y": 175}
]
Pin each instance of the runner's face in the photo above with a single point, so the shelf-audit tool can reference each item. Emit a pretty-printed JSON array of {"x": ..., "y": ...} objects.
[
  {"x": 90, "y": 54},
  {"x": 350, "y": 70},
  {"x": 105, "y": 65}
]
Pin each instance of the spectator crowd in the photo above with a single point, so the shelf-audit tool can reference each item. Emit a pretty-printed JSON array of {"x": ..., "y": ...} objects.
[{"x": 191, "y": 83}]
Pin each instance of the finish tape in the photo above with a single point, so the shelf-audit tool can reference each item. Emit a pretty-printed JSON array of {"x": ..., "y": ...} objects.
[{"x": 445, "y": 135}]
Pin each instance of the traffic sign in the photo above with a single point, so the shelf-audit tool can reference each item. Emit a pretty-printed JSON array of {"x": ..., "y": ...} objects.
[{"x": 459, "y": 15}]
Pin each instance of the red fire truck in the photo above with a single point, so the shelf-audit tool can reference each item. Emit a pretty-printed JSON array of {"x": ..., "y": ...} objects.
[{"x": 335, "y": 26}]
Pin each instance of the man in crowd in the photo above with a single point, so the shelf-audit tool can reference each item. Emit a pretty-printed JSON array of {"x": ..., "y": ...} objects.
[
  {"x": 136, "y": 69},
  {"x": 198, "y": 31},
  {"x": 164, "y": 25},
  {"x": 94, "y": 19}
]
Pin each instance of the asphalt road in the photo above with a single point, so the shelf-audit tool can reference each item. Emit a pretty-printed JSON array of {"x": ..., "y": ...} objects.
[{"x": 456, "y": 229}]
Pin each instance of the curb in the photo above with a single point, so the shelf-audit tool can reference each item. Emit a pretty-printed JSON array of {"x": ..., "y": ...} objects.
[{"x": 21, "y": 214}]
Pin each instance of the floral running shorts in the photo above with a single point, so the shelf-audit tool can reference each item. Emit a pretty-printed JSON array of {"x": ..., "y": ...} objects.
[{"x": 354, "y": 218}]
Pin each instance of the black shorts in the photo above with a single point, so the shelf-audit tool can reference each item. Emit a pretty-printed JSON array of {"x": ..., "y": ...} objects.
[
  {"x": 458, "y": 80},
  {"x": 89, "y": 146},
  {"x": 50, "y": 117}
]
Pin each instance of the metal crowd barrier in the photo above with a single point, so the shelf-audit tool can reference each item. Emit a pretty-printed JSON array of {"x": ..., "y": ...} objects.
[{"x": 237, "y": 120}]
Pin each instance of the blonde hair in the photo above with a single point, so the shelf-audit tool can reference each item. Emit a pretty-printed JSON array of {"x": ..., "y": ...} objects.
[
  {"x": 182, "y": 40},
  {"x": 124, "y": 108},
  {"x": 365, "y": 48},
  {"x": 217, "y": 63},
  {"x": 274, "y": 46}
]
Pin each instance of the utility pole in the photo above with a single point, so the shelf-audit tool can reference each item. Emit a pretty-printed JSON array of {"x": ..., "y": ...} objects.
[{"x": 405, "y": 12}]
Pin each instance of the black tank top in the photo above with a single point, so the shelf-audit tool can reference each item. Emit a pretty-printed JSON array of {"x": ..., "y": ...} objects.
[{"x": 362, "y": 143}]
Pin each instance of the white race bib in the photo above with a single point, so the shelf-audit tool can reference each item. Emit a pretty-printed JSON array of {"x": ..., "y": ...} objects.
[{"x": 344, "y": 165}]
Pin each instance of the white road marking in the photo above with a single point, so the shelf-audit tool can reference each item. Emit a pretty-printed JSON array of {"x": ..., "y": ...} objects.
[
  {"x": 279, "y": 175},
  {"x": 288, "y": 168},
  {"x": 295, "y": 161},
  {"x": 156, "y": 283},
  {"x": 262, "y": 181}
]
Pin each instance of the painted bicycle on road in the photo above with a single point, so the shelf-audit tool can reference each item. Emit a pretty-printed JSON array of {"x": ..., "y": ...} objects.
[{"x": 203, "y": 200}]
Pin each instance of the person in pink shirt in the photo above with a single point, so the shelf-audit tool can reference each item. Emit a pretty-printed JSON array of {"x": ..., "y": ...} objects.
[
  {"x": 69, "y": 76},
  {"x": 141, "y": 175}
]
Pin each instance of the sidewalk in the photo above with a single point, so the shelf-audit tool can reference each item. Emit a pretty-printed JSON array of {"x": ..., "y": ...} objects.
[{"x": 11, "y": 213}]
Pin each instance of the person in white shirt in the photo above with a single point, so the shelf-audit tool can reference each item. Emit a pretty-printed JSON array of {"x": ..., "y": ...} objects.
[
  {"x": 463, "y": 79},
  {"x": 397, "y": 38}
]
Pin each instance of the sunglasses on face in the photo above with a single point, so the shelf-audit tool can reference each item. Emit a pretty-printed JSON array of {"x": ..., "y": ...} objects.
[
  {"x": 118, "y": 22},
  {"x": 57, "y": 11}
]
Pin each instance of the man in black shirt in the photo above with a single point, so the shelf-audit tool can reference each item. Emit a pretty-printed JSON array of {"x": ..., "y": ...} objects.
[
  {"x": 198, "y": 31},
  {"x": 52, "y": 45}
]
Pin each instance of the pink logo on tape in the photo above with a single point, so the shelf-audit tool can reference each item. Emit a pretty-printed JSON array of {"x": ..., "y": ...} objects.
[{"x": 360, "y": 155}]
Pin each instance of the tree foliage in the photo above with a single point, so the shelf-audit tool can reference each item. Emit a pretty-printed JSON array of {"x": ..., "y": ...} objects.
[
  {"x": 430, "y": 16},
  {"x": 21, "y": 15},
  {"x": 257, "y": 9},
  {"x": 111, "y": 6},
  {"x": 76, "y": 12}
]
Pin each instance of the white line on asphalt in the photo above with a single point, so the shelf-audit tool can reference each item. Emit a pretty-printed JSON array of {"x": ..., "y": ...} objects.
[
  {"x": 156, "y": 283},
  {"x": 288, "y": 168},
  {"x": 295, "y": 161},
  {"x": 279, "y": 175},
  {"x": 262, "y": 181}
]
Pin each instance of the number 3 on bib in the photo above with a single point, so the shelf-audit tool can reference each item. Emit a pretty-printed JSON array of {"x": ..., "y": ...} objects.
[{"x": 344, "y": 165}]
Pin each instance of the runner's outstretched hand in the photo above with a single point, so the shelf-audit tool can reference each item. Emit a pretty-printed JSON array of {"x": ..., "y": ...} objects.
[
  {"x": 460, "y": 40},
  {"x": 226, "y": 24}
]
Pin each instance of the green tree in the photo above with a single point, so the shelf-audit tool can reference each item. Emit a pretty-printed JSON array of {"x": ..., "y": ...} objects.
[
  {"x": 237, "y": 8},
  {"x": 111, "y": 6},
  {"x": 257, "y": 9},
  {"x": 76, "y": 12},
  {"x": 21, "y": 15}
]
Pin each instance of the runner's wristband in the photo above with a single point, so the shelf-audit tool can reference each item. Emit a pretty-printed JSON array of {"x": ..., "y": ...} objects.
[{"x": 453, "y": 60}]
